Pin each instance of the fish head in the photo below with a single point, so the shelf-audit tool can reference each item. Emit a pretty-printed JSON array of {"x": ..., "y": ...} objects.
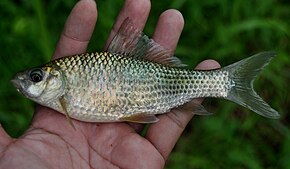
[{"x": 41, "y": 84}]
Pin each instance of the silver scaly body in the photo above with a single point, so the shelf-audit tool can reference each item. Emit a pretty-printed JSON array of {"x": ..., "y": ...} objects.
[
  {"x": 135, "y": 79},
  {"x": 106, "y": 87}
]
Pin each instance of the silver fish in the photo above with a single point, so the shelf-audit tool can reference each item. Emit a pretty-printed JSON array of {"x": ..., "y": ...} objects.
[{"x": 129, "y": 83}]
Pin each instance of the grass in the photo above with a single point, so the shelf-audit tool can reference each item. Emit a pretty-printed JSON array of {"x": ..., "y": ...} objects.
[{"x": 224, "y": 30}]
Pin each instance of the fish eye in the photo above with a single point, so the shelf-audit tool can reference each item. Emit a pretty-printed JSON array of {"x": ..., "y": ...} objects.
[{"x": 36, "y": 75}]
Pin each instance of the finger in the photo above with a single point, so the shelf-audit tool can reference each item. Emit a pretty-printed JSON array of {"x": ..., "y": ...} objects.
[
  {"x": 137, "y": 127},
  {"x": 78, "y": 29},
  {"x": 136, "y": 10},
  {"x": 76, "y": 33},
  {"x": 167, "y": 33},
  {"x": 168, "y": 29},
  {"x": 172, "y": 124},
  {"x": 206, "y": 65}
]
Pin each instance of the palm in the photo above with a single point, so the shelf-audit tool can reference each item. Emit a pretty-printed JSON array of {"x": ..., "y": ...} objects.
[
  {"x": 106, "y": 145},
  {"x": 51, "y": 142}
]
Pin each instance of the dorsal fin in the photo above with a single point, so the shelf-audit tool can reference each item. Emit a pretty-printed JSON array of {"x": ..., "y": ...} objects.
[{"x": 131, "y": 42}]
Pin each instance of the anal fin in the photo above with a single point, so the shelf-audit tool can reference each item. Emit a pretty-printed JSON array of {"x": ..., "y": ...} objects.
[
  {"x": 140, "y": 118},
  {"x": 194, "y": 108}
]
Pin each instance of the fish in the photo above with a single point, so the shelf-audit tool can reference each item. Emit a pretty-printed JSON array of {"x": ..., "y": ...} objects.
[{"x": 135, "y": 79}]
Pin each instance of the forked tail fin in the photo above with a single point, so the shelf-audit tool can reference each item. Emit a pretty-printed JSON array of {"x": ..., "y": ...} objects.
[{"x": 243, "y": 74}]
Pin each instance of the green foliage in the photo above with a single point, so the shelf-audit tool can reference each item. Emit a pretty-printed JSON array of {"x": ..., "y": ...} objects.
[{"x": 223, "y": 30}]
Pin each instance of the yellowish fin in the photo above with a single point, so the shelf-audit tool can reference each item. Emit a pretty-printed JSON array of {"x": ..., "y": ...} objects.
[
  {"x": 194, "y": 108},
  {"x": 140, "y": 118},
  {"x": 63, "y": 105}
]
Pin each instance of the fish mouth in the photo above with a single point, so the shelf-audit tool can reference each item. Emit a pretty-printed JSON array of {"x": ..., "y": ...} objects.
[
  {"x": 17, "y": 84},
  {"x": 20, "y": 84}
]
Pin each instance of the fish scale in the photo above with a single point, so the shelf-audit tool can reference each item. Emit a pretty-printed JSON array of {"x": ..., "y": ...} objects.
[{"x": 105, "y": 86}]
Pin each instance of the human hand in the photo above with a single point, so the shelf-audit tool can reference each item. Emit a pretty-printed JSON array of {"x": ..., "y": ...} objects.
[{"x": 51, "y": 143}]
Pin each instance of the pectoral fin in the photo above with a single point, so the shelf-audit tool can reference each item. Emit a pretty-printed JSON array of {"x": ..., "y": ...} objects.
[
  {"x": 63, "y": 105},
  {"x": 140, "y": 118}
]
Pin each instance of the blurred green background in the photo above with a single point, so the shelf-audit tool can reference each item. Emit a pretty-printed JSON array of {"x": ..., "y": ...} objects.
[{"x": 225, "y": 30}]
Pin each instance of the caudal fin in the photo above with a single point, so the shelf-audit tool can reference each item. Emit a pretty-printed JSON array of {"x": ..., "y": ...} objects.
[{"x": 243, "y": 74}]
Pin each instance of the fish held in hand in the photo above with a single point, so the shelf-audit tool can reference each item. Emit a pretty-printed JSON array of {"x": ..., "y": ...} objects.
[{"x": 135, "y": 79}]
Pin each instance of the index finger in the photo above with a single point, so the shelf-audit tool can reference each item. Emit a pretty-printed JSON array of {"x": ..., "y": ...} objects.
[
  {"x": 78, "y": 29},
  {"x": 75, "y": 35}
]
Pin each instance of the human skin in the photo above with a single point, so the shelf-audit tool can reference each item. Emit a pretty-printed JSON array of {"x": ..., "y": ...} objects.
[{"x": 50, "y": 142}]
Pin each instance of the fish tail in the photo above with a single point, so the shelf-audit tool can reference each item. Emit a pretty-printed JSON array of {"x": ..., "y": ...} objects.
[{"x": 243, "y": 74}]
